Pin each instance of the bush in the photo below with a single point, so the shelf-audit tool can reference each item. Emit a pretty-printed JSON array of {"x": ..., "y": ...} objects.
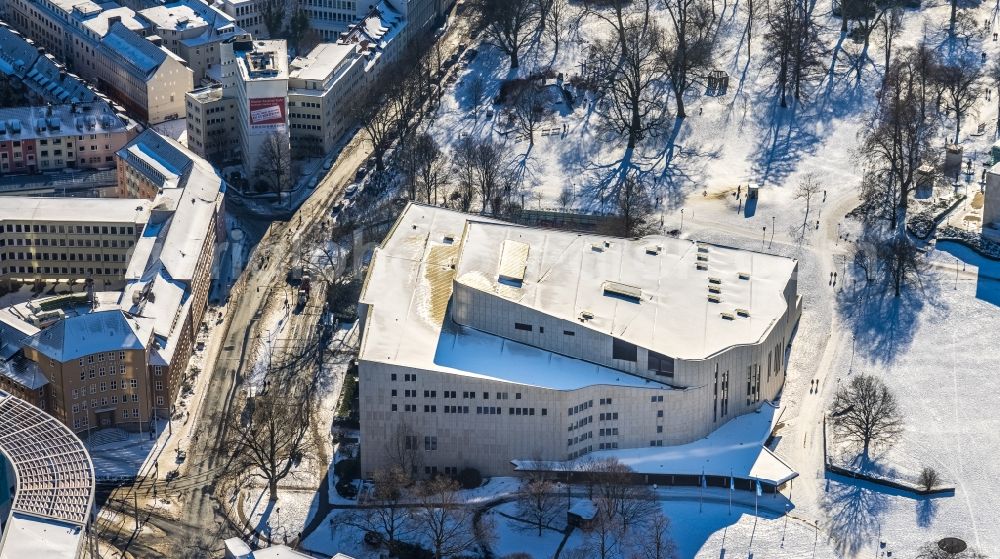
[
  {"x": 347, "y": 470},
  {"x": 470, "y": 478},
  {"x": 345, "y": 488},
  {"x": 928, "y": 478}
]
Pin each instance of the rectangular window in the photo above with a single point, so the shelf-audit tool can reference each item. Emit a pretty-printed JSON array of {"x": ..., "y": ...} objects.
[
  {"x": 430, "y": 443},
  {"x": 522, "y": 326},
  {"x": 660, "y": 364},
  {"x": 623, "y": 350}
]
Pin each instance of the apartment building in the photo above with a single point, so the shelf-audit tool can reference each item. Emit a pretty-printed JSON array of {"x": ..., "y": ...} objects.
[
  {"x": 324, "y": 84},
  {"x": 47, "y": 79},
  {"x": 257, "y": 74},
  {"x": 69, "y": 238},
  {"x": 193, "y": 30},
  {"x": 552, "y": 345},
  {"x": 117, "y": 358},
  {"x": 80, "y": 136},
  {"x": 145, "y": 60},
  {"x": 211, "y": 124},
  {"x": 248, "y": 15},
  {"x": 149, "y": 80}
]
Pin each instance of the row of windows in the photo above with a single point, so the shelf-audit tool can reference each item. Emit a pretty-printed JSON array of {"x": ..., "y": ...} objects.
[
  {"x": 105, "y": 401},
  {"x": 78, "y": 229},
  {"x": 64, "y": 270},
  {"x": 407, "y": 393},
  {"x": 579, "y": 439},
  {"x": 47, "y": 256}
]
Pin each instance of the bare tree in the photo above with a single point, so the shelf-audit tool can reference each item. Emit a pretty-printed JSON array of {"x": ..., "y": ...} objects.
[
  {"x": 808, "y": 187},
  {"x": 960, "y": 81},
  {"x": 633, "y": 207},
  {"x": 464, "y": 162},
  {"x": 928, "y": 478},
  {"x": 605, "y": 535},
  {"x": 566, "y": 197},
  {"x": 269, "y": 437},
  {"x": 866, "y": 412},
  {"x": 794, "y": 46},
  {"x": 444, "y": 520},
  {"x": 901, "y": 260},
  {"x": 403, "y": 450},
  {"x": 656, "y": 542},
  {"x": 553, "y": 21},
  {"x": 526, "y": 110},
  {"x": 509, "y": 25},
  {"x": 477, "y": 92},
  {"x": 633, "y": 70},
  {"x": 618, "y": 496},
  {"x": 274, "y": 162},
  {"x": 378, "y": 121},
  {"x": 688, "y": 48},
  {"x": 897, "y": 142},
  {"x": 866, "y": 257},
  {"x": 538, "y": 503},
  {"x": 384, "y": 511}
]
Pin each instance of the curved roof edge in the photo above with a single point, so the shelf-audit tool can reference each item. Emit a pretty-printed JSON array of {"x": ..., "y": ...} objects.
[{"x": 54, "y": 483}]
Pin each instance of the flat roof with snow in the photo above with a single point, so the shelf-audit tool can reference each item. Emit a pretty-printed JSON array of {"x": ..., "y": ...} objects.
[
  {"x": 678, "y": 297},
  {"x": 734, "y": 450},
  {"x": 658, "y": 301},
  {"x": 75, "y": 210}
]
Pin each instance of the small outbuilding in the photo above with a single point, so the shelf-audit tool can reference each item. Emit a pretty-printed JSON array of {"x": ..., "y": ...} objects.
[{"x": 582, "y": 513}]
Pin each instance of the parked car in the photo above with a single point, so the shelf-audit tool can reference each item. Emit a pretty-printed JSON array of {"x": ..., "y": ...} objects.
[
  {"x": 181, "y": 456},
  {"x": 313, "y": 183},
  {"x": 362, "y": 171},
  {"x": 327, "y": 164},
  {"x": 351, "y": 190}
]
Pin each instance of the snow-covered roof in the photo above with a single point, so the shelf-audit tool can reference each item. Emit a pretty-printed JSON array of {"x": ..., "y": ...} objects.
[
  {"x": 39, "y": 72},
  {"x": 54, "y": 478},
  {"x": 23, "y": 371},
  {"x": 657, "y": 292},
  {"x": 265, "y": 60},
  {"x": 101, "y": 23},
  {"x": 410, "y": 280},
  {"x": 58, "y": 121},
  {"x": 75, "y": 210},
  {"x": 85, "y": 334},
  {"x": 134, "y": 52},
  {"x": 584, "y": 508},
  {"x": 736, "y": 449},
  {"x": 13, "y": 331}
]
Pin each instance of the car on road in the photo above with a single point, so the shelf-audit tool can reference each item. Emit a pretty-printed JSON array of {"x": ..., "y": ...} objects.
[
  {"x": 351, "y": 190},
  {"x": 181, "y": 456},
  {"x": 327, "y": 164}
]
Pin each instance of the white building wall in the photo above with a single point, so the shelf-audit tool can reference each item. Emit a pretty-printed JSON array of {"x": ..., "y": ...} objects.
[{"x": 166, "y": 89}]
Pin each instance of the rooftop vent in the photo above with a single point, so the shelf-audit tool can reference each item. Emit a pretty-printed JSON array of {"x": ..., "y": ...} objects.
[
  {"x": 586, "y": 315},
  {"x": 714, "y": 298},
  {"x": 743, "y": 313},
  {"x": 702, "y": 258},
  {"x": 597, "y": 247},
  {"x": 714, "y": 289},
  {"x": 448, "y": 239},
  {"x": 622, "y": 291},
  {"x": 702, "y": 266},
  {"x": 727, "y": 316},
  {"x": 513, "y": 262},
  {"x": 744, "y": 275},
  {"x": 715, "y": 281},
  {"x": 653, "y": 249},
  {"x": 702, "y": 248}
]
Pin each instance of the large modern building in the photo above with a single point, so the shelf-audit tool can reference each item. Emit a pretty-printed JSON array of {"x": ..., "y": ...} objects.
[
  {"x": 550, "y": 345},
  {"x": 46, "y": 485},
  {"x": 96, "y": 358}
]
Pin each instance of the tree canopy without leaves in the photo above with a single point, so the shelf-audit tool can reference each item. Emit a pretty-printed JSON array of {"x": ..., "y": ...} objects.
[
  {"x": 794, "y": 47},
  {"x": 866, "y": 412},
  {"x": 384, "y": 511},
  {"x": 274, "y": 162},
  {"x": 443, "y": 520},
  {"x": 270, "y": 435},
  {"x": 539, "y": 503},
  {"x": 508, "y": 24}
]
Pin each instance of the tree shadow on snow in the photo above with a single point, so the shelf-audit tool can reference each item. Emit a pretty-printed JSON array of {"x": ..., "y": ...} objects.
[
  {"x": 853, "y": 513},
  {"x": 883, "y": 325}
]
